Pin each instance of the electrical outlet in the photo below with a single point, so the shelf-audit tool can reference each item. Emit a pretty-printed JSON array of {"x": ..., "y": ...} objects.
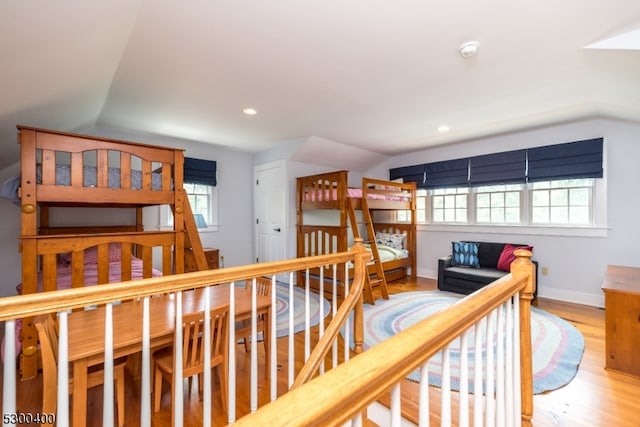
[{"x": 545, "y": 270}]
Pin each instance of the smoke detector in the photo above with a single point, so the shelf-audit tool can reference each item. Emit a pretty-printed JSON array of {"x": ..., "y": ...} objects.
[{"x": 469, "y": 49}]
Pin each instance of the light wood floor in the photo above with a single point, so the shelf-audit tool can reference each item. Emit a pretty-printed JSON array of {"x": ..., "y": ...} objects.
[{"x": 595, "y": 397}]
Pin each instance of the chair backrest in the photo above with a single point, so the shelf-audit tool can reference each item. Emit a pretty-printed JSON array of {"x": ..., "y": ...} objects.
[
  {"x": 263, "y": 285},
  {"x": 47, "y": 328},
  {"x": 193, "y": 340}
]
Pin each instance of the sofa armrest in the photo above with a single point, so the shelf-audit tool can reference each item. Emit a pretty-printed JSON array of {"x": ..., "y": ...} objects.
[{"x": 443, "y": 263}]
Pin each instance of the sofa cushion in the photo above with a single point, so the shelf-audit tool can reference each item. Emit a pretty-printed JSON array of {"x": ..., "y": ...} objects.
[
  {"x": 489, "y": 253},
  {"x": 507, "y": 256},
  {"x": 465, "y": 254},
  {"x": 481, "y": 275}
]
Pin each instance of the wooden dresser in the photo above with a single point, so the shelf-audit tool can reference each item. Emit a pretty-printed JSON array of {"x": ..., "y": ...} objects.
[
  {"x": 212, "y": 255},
  {"x": 621, "y": 286}
]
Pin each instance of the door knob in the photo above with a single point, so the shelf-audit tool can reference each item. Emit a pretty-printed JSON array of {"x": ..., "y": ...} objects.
[{"x": 277, "y": 229}]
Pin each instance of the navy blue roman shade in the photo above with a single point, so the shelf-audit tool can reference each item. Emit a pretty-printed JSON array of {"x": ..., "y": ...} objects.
[
  {"x": 450, "y": 173},
  {"x": 197, "y": 171},
  {"x": 408, "y": 174},
  {"x": 499, "y": 168},
  {"x": 580, "y": 159}
]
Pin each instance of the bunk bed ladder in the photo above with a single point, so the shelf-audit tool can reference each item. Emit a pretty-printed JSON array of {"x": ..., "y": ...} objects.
[
  {"x": 376, "y": 276},
  {"x": 192, "y": 237}
]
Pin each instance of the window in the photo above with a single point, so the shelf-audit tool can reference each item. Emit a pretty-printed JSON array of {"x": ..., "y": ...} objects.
[
  {"x": 498, "y": 204},
  {"x": 199, "y": 198},
  {"x": 449, "y": 205},
  {"x": 560, "y": 185},
  {"x": 568, "y": 202},
  {"x": 563, "y": 202},
  {"x": 202, "y": 198}
]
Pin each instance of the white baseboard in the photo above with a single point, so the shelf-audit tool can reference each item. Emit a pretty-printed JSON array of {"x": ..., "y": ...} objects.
[
  {"x": 596, "y": 300},
  {"x": 428, "y": 274}
]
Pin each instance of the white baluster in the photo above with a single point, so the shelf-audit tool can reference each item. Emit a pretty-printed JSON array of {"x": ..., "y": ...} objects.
[
  {"x": 322, "y": 313},
  {"x": 423, "y": 397},
  {"x": 253, "y": 403},
  {"x": 307, "y": 322},
  {"x": 490, "y": 402},
  {"x": 500, "y": 367},
  {"x": 145, "y": 379},
  {"x": 63, "y": 370},
  {"x": 177, "y": 362},
  {"x": 334, "y": 310},
  {"x": 396, "y": 406},
  {"x": 291, "y": 361},
  {"x": 477, "y": 382},
  {"x": 445, "y": 404},
  {"x": 9, "y": 373},
  {"x": 206, "y": 375},
  {"x": 464, "y": 381},
  {"x": 517, "y": 385},
  {"x": 347, "y": 323},
  {"x": 509, "y": 363},
  {"x": 107, "y": 393},
  {"x": 231, "y": 408},
  {"x": 273, "y": 347}
]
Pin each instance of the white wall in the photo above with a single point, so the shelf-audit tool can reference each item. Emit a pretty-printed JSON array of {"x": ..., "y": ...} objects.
[
  {"x": 576, "y": 264},
  {"x": 10, "y": 260}
]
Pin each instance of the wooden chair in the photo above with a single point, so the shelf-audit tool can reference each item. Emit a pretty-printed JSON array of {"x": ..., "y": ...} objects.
[
  {"x": 193, "y": 354},
  {"x": 243, "y": 325},
  {"x": 47, "y": 328}
]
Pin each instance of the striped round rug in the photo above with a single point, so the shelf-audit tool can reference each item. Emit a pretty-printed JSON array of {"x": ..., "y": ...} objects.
[
  {"x": 557, "y": 345},
  {"x": 283, "y": 304}
]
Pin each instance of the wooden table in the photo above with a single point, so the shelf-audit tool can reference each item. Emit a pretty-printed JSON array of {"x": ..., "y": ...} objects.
[
  {"x": 621, "y": 286},
  {"x": 86, "y": 331}
]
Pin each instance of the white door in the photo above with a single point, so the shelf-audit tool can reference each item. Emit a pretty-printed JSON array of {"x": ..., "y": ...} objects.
[{"x": 270, "y": 201}]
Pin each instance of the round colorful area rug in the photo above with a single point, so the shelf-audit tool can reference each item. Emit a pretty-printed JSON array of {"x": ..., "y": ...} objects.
[
  {"x": 283, "y": 304},
  {"x": 557, "y": 345}
]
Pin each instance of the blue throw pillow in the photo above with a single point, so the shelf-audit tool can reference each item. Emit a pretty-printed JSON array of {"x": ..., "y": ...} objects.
[{"x": 465, "y": 254}]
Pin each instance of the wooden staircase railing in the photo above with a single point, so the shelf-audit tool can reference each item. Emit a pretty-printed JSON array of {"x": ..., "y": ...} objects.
[
  {"x": 342, "y": 394},
  {"x": 353, "y": 302}
]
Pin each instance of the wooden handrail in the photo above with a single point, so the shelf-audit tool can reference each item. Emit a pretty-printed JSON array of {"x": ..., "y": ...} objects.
[
  {"x": 337, "y": 396},
  {"x": 353, "y": 302},
  {"x": 19, "y": 306}
]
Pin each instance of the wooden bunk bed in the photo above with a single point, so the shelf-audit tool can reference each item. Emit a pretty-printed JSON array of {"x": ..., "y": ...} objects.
[
  {"x": 329, "y": 191},
  {"x": 69, "y": 170}
]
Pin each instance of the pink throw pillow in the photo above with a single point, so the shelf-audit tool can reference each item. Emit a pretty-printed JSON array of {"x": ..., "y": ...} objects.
[{"x": 507, "y": 256}]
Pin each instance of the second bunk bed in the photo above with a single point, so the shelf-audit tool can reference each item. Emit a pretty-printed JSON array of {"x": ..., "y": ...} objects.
[{"x": 382, "y": 213}]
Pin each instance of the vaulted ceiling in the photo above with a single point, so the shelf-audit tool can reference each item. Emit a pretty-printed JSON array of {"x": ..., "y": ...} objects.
[{"x": 380, "y": 76}]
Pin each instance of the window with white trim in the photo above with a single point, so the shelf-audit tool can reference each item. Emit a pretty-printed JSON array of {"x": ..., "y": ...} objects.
[
  {"x": 551, "y": 203},
  {"x": 498, "y": 204},
  {"x": 563, "y": 202},
  {"x": 449, "y": 205},
  {"x": 203, "y": 200}
]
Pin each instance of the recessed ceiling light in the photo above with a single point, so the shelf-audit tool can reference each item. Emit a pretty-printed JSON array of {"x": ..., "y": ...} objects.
[
  {"x": 250, "y": 111},
  {"x": 469, "y": 49},
  {"x": 443, "y": 128}
]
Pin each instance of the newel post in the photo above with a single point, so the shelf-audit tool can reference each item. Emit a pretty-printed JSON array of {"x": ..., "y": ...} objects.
[
  {"x": 360, "y": 263},
  {"x": 523, "y": 266}
]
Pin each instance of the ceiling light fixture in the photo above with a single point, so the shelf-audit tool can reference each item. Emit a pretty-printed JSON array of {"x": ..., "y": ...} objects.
[
  {"x": 469, "y": 49},
  {"x": 250, "y": 111},
  {"x": 443, "y": 129}
]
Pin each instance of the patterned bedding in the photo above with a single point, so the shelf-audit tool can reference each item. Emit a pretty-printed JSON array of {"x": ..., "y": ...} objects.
[{"x": 354, "y": 193}]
